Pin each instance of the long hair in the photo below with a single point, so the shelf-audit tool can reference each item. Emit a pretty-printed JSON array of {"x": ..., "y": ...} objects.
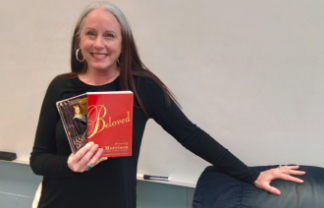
[{"x": 129, "y": 62}]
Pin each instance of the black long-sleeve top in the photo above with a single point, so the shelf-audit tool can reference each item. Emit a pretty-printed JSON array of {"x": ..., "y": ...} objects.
[{"x": 112, "y": 183}]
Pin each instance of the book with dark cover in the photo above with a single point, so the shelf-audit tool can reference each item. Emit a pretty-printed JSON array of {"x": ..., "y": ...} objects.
[
  {"x": 110, "y": 121},
  {"x": 73, "y": 112}
]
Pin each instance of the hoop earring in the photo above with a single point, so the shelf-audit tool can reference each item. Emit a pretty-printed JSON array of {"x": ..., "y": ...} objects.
[
  {"x": 118, "y": 62},
  {"x": 77, "y": 57}
]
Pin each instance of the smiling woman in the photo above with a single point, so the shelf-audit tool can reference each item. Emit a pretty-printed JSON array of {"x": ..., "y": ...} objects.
[{"x": 104, "y": 58}]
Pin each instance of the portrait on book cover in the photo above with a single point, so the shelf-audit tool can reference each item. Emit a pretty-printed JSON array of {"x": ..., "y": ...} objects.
[
  {"x": 74, "y": 113},
  {"x": 77, "y": 119}
]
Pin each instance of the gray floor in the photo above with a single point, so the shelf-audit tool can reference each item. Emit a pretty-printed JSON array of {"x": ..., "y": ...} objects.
[{"x": 18, "y": 185}]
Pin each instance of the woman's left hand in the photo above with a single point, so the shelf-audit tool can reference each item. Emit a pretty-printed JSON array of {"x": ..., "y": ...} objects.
[{"x": 282, "y": 172}]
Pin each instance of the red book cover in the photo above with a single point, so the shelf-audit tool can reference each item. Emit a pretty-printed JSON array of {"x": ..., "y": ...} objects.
[{"x": 110, "y": 121}]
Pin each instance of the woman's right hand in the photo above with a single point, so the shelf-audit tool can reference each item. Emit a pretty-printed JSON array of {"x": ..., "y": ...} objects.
[{"x": 89, "y": 155}]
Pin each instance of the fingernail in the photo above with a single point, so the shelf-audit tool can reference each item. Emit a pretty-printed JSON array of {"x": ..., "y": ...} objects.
[{"x": 89, "y": 144}]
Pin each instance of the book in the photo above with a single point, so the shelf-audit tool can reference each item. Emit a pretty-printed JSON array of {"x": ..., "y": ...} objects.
[
  {"x": 105, "y": 118},
  {"x": 73, "y": 112},
  {"x": 110, "y": 121}
]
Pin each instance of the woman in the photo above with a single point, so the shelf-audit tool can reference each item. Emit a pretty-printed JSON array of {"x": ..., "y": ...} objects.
[{"x": 104, "y": 58}]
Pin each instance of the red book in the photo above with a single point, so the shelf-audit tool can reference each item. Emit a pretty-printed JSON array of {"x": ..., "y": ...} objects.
[{"x": 109, "y": 122}]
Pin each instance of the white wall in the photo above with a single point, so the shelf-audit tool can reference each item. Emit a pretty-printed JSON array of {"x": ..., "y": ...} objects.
[{"x": 248, "y": 72}]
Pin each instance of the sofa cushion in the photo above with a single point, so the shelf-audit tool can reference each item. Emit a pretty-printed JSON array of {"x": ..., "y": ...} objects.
[{"x": 218, "y": 190}]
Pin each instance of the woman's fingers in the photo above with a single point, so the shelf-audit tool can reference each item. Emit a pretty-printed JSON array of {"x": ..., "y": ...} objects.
[
  {"x": 293, "y": 167},
  {"x": 286, "y": 173},
  {"x": 272, "y": 189},
  {"x": 291, "y": 170},
  {"x": 287, "y": 176},
  {"x": 290, "y": 178},
  {"x": 74, "y": 159},
  {"x": 95, "y": 160},
  {"x": 102, "y": 159},
  {"x": 86, "y": 158},
  {"x": 297, "y": 172},
  {"x": 78, "y": 156}
]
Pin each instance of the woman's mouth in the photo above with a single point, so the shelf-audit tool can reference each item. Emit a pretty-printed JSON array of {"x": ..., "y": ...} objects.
[{"x": 96, "y": 55}]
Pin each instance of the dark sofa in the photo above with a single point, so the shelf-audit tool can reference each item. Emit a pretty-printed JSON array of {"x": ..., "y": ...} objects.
[{"x": 217, "y": 190}]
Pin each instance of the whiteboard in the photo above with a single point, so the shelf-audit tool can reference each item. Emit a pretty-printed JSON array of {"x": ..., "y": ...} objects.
[{"x": 250, "y": 73}]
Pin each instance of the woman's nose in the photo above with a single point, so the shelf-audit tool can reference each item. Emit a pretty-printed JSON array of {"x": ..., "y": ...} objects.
[{"x": 98, "y": 42}]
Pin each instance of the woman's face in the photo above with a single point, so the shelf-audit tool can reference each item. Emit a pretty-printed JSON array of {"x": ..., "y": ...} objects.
[
  {"x": 100, "y": 40},
  {"x": 77, "y": 110}
]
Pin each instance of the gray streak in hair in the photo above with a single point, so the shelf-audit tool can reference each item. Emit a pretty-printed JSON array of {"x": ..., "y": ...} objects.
[{"x": 124, "y": 26}]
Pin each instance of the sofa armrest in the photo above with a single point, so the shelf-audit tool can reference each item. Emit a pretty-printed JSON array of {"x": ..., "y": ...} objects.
[{"x": 218, "y": 190}]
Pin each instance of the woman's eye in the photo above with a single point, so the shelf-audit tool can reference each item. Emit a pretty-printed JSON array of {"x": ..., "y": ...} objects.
[
  {"x": 109, "y": 35},
  {"x": 90, "y": 33}
]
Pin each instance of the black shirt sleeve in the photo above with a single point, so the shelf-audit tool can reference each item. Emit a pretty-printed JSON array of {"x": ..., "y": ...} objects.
[
  {"x": 44, "y": 160},
  {"x": 172, "y": 120}
]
